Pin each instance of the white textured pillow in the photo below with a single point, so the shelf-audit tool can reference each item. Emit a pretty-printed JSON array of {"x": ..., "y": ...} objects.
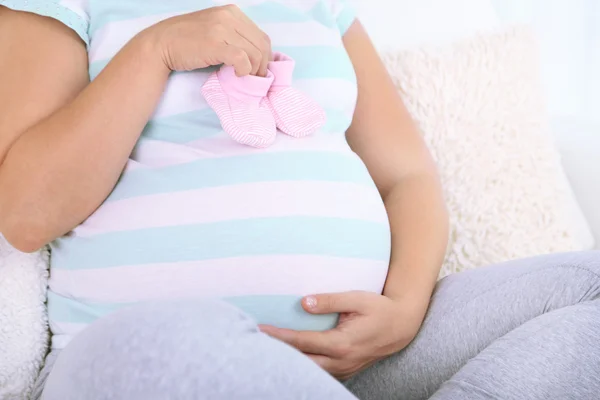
[
  {"x": 23, "y": 322},
  {"x": 480, "y": 107}
]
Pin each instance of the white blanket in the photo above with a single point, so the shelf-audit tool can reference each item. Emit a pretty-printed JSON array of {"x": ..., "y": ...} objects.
[{"x": 23, "y": 320}]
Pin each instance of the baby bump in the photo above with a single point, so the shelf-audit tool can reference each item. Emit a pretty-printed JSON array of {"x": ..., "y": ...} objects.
[{"x": 258, "y": 245}]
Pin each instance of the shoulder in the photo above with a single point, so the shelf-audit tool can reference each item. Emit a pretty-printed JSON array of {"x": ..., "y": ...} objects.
[
  {"x": 342, "y": 12},
  {"x": 71, "y": 13}
]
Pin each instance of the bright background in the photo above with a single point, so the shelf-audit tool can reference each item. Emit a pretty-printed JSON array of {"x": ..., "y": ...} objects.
[{"x": 569, "y": 34}]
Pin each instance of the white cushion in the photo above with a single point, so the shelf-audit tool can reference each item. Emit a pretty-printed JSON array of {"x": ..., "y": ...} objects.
[
  {"x": 408, "y": 24},
  {"x": 399, "y": 24},
  {"x": 482, "y": 115},
  {"x": 23, "y": 322}
]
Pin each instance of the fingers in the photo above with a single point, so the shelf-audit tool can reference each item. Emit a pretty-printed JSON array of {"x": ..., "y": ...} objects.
[
  {"x": 248, "y": 30},
  {"x": 347, "y": 302},
  {"x": 253, "y": 54},
  {"x": 262, "y": 46},
  {"x": 329, "y": 343},
  {"x": 259, "y": 39},
  {"x": 237, "y": 58}
]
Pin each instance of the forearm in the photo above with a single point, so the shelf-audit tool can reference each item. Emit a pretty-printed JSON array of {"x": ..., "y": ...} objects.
[
  {"x": 60, "y": 170},
  {"x": 419, "y": 226}
]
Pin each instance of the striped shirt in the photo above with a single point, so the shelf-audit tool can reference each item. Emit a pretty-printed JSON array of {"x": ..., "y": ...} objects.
[{"x": 196, "y": 214}]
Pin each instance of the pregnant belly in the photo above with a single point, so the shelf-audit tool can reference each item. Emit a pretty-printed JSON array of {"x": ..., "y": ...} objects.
[{"x": 260, "y": 246}]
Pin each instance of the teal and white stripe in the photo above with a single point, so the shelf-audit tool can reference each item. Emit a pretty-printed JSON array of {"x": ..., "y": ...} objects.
[{"x": 196, "y": 214}]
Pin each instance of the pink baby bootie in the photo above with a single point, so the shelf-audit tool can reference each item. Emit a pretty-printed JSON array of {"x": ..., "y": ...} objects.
[
  {"x": 241, "y": 105},
  {"x": 295, "y": 113}
]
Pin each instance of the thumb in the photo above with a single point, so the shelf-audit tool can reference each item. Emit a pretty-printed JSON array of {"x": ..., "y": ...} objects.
[{"x": 347, "y": 302}]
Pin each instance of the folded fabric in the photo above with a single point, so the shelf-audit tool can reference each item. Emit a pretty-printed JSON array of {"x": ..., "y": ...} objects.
[
  {"x": 295, "y": 113},
  {"x": 241, "y": 105}
]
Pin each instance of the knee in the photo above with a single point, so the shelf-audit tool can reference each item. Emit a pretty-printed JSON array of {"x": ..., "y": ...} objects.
[
  {"x": 578, "y": 271},
  {"x": 587, "y": 266},
  {"x": 588, "y": 260}
]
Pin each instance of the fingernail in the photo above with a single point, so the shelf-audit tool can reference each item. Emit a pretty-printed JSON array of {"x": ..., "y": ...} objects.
[{"x": 310, "y": 301}]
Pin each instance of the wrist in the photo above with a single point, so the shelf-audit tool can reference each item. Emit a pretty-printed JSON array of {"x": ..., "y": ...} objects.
[
  {"x": 148, "y": 47},
  {"x": 417, "y": 306},
  {"x": 410, "y": 312},
  {"x": 410, "y": 288}
]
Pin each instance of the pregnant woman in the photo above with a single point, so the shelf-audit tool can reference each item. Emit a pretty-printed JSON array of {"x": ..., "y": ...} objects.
[{"x": 200, "y": 253}]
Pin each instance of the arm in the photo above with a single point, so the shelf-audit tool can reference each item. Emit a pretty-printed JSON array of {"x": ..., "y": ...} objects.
[
  {"x": 64, "y": 142},
  {"x": 384, "y": 136},
  {"x": 373, "y": 326}
]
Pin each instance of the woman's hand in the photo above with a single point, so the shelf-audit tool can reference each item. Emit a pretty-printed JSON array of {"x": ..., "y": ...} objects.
[
  {"x": 371, "y": 327},
  {"x": 214, "y": 36}
]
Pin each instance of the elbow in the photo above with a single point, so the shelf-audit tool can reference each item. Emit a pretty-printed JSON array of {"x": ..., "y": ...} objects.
[
  {"x": 23, "y": 234},
  {"x": 20, "y": 225},
  {"x": 24, "y": 240}
]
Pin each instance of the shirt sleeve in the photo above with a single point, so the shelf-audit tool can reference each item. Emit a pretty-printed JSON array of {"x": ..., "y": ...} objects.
[
  {"x": 72, "y": 13},
  {"x": 343, "y": 13}
]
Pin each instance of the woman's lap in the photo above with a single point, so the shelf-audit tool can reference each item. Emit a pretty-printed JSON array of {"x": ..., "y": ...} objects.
[
  {"x": 486, "y": 330},
  {"x": 184, "y": 350},
  {"x": 515, "y": 330}
]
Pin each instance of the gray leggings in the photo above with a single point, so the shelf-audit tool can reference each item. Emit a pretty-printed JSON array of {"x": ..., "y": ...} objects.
[{"x": 527, "y": 329}]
